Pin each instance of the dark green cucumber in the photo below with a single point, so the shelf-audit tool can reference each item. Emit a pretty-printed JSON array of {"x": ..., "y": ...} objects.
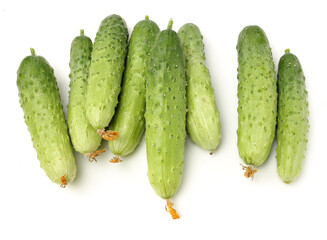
[
  {"x": 40, "y": 100},
  {"x": 202, "y": 119},
  {"x": 106, "y": 70},
  {"x": 293, "y": 113},
  {"x": 165, "y": 113},
  {"x": 84, "y": 137},
  {"x": 257, "y": 96},
  {"x": 129, "y": 117}
]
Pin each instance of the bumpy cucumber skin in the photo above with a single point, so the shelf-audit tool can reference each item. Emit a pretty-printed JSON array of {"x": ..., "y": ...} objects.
[
  {"x": 202, "y": 119},
  {"x": 40, "y": 100},
  {"x": 257, "y": 96},
  {"x": 83, "y": 136},
  {"x": 129, "y": 117},
  {"x": 293, "y": 113},
  {"x": 165, "y": 114},
  {"x": 106, "y": 70}
]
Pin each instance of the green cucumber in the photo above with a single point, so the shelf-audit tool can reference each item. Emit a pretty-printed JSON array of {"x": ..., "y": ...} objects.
[
  {"x": 165, "y": 113},
  {"x": 293, "y": 113},
  {"x": 106, "y": 70},
  {"x": 129, "y": 117},
  {"x": 202, "y": 119},
  {"x": 84, "y": 137},
  {"x": 257, "y": 96},
  {"x": 40, "y": 100}
]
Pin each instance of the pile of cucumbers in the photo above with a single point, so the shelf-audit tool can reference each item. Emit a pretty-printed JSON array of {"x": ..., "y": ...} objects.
[{"x": 157, "y": 82}]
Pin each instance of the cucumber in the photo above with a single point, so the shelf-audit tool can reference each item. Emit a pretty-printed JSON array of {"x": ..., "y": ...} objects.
[
  {"x": 257, "y": 96},
  {"x": 293, "y": 113},
  {"x": 129, "y": 117},
  {"x": 202, "y": 119},
  {"x": 40, "y": 100},
  {"x": 165, "y": 114},
  {"x": 106, "y": 69},
  {"x": 84, "y": 137}
]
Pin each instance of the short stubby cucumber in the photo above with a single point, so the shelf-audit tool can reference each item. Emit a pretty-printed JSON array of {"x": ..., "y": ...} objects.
[
  {"x": 40, "y": 100},
  {"x": 106, "y": 70},
  {"x": 166, "y": 114},
  {"x": 129, "y": 117},
  {"x": 84, "y": 137},
  {"x": 257, "y": 96},
  {"x": 202, "y": 119},
  {"x": 293, "y": 113}
]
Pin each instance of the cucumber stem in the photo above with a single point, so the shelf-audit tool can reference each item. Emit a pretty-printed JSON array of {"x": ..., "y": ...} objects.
[
  {"x": 32, "y": 51},
  {"x": 287, "y": 50},
  {"x": 82, "y": 32},
  {"x": 170, "y": 24},
  {"x": 146, "y": 17}
]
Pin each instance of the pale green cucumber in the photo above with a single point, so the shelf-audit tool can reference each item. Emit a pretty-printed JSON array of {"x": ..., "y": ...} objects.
[
  {"x": 257, "y": 96},
  {"x": 129, "y": 116},
  {"x": 106, "y": 70},
  {"x": 202, "y": 119},
  {"x": 84, "y": 137},
  {"x": 40, "y": 100},
  {"x": 293, "y": 113},
  {"x": 165, "y": 113}
]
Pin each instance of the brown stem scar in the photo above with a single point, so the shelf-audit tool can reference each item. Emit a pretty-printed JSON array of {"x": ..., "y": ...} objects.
[
  {"x": 92, "y": 156},
  {"x": 169, "y": 208},
  {"x": 249, "y": 171},
  {"x": 108, "y": 135},
  {"x": 115, "y": 159},
  {"x": 63, "y": 181}
]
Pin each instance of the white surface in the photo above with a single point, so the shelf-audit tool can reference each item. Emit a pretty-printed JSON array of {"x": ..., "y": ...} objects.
[{"x": 116, "y": 201}]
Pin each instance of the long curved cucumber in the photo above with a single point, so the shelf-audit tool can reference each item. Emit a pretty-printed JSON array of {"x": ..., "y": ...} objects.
[
  {"x": 293, "y": 113},
  {"x": 202, "y": 119},
  {"x": 165, "y": 113},
  {"x": 40, "y": 100},
  {"x": 129, "y": 117},
  {"x": 106, "y": 70},
  {"x": 84, "y": 137},
  {"x": 257, "y": 96}
]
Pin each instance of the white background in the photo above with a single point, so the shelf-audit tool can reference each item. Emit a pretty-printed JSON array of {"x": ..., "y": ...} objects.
[{"x": 116, "y": 201}]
